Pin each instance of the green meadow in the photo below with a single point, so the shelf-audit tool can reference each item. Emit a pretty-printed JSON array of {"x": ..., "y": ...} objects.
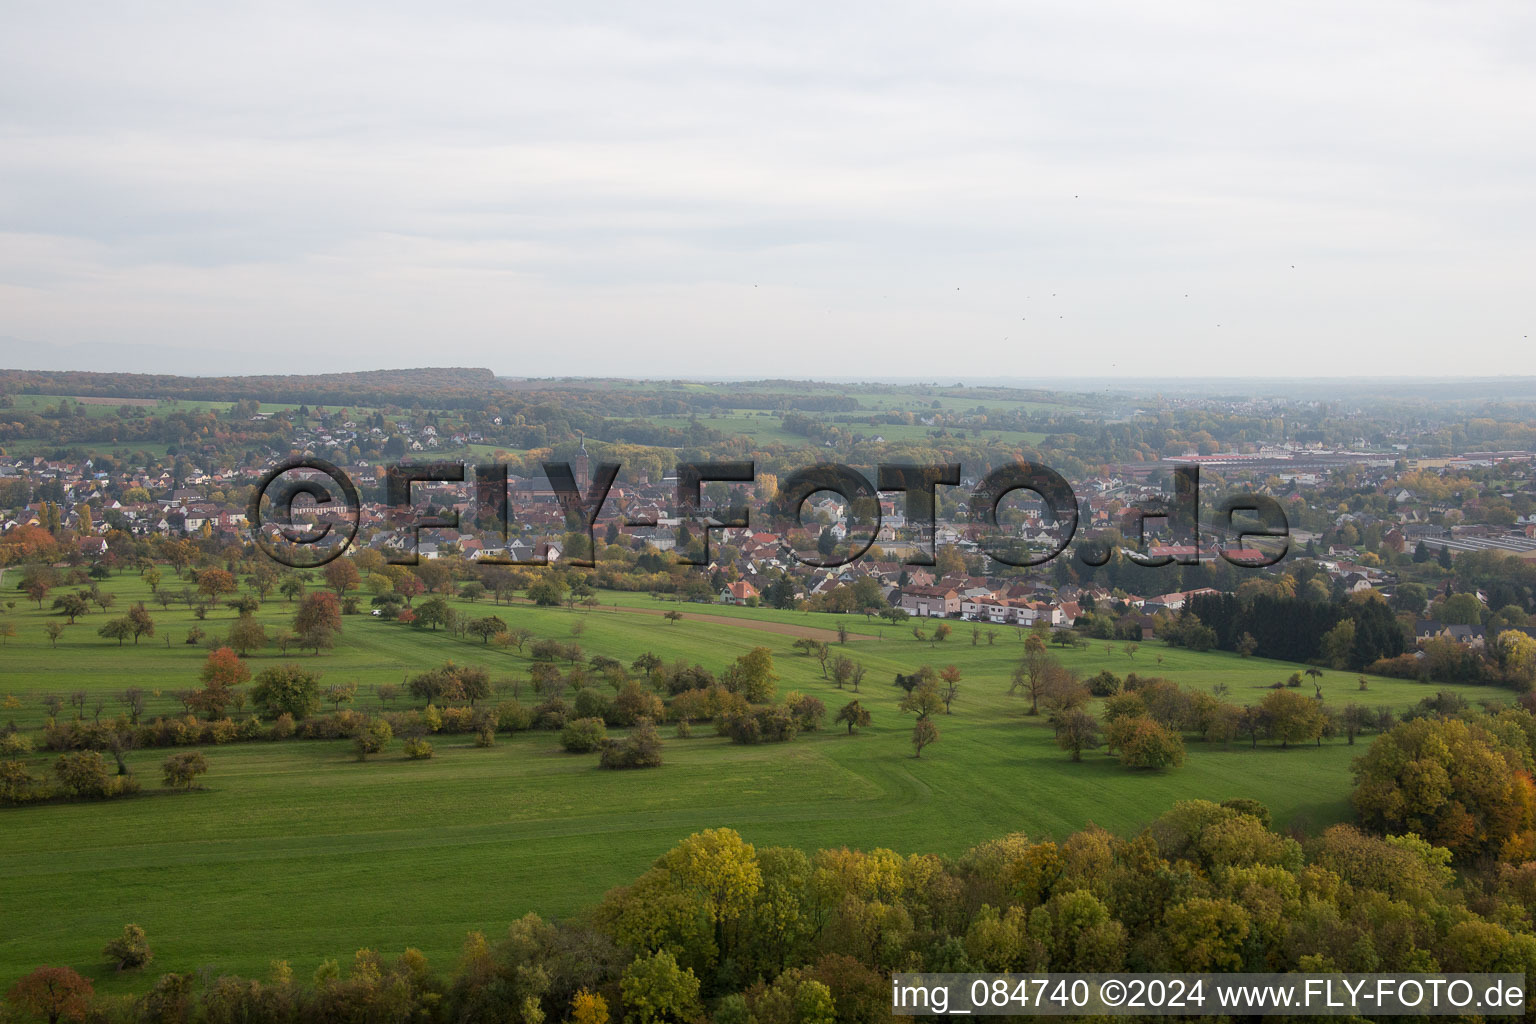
[
  {"x": 295, "y": 850},
  {"x": 767, "y": 429}
]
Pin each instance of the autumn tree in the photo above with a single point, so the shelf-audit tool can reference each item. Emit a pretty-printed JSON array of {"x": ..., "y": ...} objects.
[
  {"x": 589, "y": 1008},
  {"x": 338, "y": 694},
  {"x": 246, "y": 635},
  {"x": 1030, "y": 673},
  {"x": 318, "y": 621},
  {"x": 215, "y": 583},
  {"x": 342, "y": 576},
  {"x": 924, "y": 733},
  {"x": 140, "y": 622},
  {"x": 224, "y": 669},
  {"x": 83, "y": 773},
  {"x": 409, "y": 587},
  {"x": 116, "y": 629},
  {"x": 487, "y": 627},
  {"x": 72, "y": 606},
  {"x": 754, "y": 676},
  {"x": 1291, "y": 717},
  {"x": 1077, "y": 731},
  {"x": 129, "y": 951},
  {"x": 1062, "y": 693},
  {"x": 434, "y": 612},
  {"x": 1143, "y": 743},
  {"x": 854, "y": 714},
  {"x": 719, "y": 870},
  {"x": 924, "y": 699},
  {"x": 949, "y": 687},
  {"x": 372, "y": 738},
  {"x": 657, "y": 991},
  {"x": 132, "y": 700},
  {"x": 54, "y": 993},
  {"x": 1460, "y": 785},
  {"x": 287, "y": 690},
  {"x": 181, "y": 770}
]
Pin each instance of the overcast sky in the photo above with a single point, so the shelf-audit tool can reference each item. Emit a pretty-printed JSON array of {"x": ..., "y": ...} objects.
[{"x": 785, "y": 189}]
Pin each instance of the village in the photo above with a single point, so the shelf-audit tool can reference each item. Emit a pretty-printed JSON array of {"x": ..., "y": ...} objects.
[{"x": 1358, "y": 551}]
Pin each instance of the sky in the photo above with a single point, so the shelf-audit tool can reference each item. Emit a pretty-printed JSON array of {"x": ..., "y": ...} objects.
[{"x": 953, "y": 191}]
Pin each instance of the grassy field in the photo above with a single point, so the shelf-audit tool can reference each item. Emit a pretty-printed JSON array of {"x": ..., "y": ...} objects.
[
  {"x": 767, "y": 430},
  {"x": 763, "y": 428},
  {"x": 297, "y": 851}
]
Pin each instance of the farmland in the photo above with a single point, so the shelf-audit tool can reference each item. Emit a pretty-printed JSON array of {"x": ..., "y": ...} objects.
[{"x": 296, "y": 850}]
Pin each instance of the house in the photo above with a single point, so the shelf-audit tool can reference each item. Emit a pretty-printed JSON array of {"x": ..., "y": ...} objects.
[
  {"x": 1426, "y": 629},
  {"x": 930, "y": 602},
  {"x": 739, "y": 592},
  {"x": 985, "y": 609},
  {"x": 1470, "y": 636}
]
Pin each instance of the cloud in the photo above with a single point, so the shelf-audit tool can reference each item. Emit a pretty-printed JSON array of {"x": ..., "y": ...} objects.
[{"x": 775, "y": 188}]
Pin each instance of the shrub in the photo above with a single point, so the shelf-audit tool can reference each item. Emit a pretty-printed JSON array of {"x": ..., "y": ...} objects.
[
  {"x": 13, "y": 743},
  {"x": 583, "y": 735},
  {"x": 77, "y": 735},
  {"x": 741, "y": 728},
  {"x": 485, "y": 736},
  {"x": 634, "y": 703},
  {"x": 808, "y": 713},
  {"x": 546, "y": 650},
  {"x": 187, "y": 731},
  {"x": 1105, "y": 684},
  {"x": 458, "y": 720},
  {"x": 1404, "y": 666},
  {"x": 418, "y": 749},
  {"x": 180, "y": 771},
  {"x": 341, "y": 725},
  {"x": 84, "y": 774},
  {"x": 552, "y": 714},
  {"x": 17, "y": 784},
  {"x": 283, "y": 728},
  {"x": 684, "y": 730},
  {"x": 372, "y": 738},
  {"x": 222, "y": 731},
  {"x": 1143, "y": 743},
  {"x": 640, "y": 749},
  {"x": 1124, "y": 705},
  {"x": 590, "y": 702},
  {"x": 512, "y": 716},
  {"x": 130, "y": 950},
  {"x": 761, "y": 725}
]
